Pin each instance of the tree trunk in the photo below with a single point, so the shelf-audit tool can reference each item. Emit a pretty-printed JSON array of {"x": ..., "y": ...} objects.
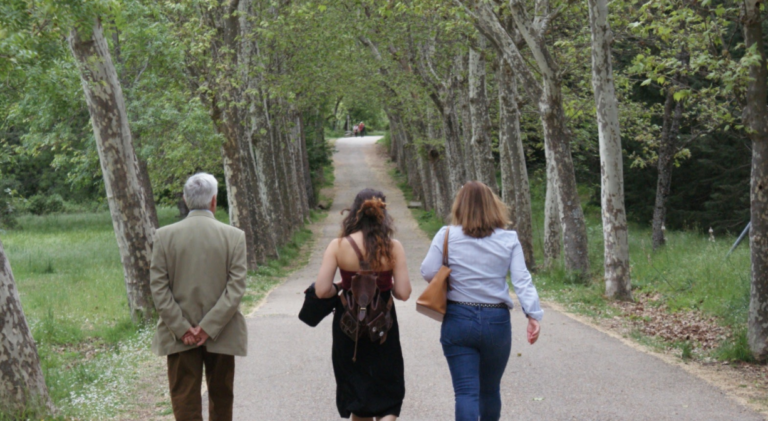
[
  {"x": 394, "y": 137},
  {"x": 266, "y": 153},
  {"x": 453, "y": 156},
  {"x": 320, "y": 139},
  {"x": 23, "y": 387},
  {"x": 262, "y": 202},
  {"x": 127, "y": 201},
  {"x": 426, "y": 181},
  {"x": 615, "y": 235},
  {"x": 571, "y": 215},
  {"x": 285, "y": 176},
  {"x": 235, "y": 176},
  {"x": 514, "y": 174},
  {"x": 466, "y": 133},
  {"x": 421, "y": 128},
  {"x": 409, "y": 156},
  {"x": 667, "y": 147},
  {"x": 481, "y": 152},
  {"x": 756, "y": 119},
  {"x": 296, "y": 140},
  {"x": 552, "y": 114},
  {"x": 143, "y": 170},
  {"x": 438, "y": 168},
  {"x": 441, "y": 171},
  {"x": 255, "y": 124},
  {"x": 149, "y": 194},
  {"x": 552, "y": 226}
]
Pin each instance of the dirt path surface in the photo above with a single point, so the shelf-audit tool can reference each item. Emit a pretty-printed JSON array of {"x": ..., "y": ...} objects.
[{"x": 574, "y": 372}]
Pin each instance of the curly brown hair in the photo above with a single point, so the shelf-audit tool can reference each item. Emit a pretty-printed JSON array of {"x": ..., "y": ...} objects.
[{"x": 369, "y": 215}]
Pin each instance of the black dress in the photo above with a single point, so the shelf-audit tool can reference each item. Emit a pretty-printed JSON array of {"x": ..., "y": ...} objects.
[{"x": 374, "y": 385}]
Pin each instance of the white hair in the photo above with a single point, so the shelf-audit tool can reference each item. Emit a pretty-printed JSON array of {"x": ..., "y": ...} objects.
[{"x": 199, "y": 191}]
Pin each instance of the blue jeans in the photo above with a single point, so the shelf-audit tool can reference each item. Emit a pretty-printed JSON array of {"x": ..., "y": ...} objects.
[{"x": 476, "y": 342}]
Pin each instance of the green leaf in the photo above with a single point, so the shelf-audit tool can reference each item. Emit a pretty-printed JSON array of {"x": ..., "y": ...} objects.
[{"x": 680, "y": 95}]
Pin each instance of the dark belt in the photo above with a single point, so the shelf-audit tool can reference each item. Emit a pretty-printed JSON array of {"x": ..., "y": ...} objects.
[{"x": 461, "y": 303}]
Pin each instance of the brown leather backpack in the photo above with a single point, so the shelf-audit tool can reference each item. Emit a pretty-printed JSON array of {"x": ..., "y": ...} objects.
[{"x": 365, "y": 315}]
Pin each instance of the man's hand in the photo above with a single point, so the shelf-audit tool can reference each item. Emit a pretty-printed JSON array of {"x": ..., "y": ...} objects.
[
  {"x": 189, "y": 338},
  {"x": 533, "y": 331},
  {"x": 200, "y": 335}
]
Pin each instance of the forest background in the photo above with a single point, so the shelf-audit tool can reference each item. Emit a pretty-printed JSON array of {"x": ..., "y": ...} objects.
[{"x": 242, "y": 88}]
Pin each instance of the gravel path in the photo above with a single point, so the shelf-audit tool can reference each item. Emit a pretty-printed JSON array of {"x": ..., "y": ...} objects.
[{"x": 573, "y": 373}]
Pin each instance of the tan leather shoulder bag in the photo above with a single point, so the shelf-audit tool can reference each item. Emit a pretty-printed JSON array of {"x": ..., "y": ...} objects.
[{"x": 434, "y": 299}]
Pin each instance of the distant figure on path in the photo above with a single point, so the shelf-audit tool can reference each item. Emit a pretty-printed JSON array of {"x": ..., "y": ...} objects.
[
  {"x": 369, "y": 374},
  {"x": 361, "y": 128},
  {"x": 355, "y": 129},
  {"x": 476, "y": 334},
  {"x": 197, "y": 279}
]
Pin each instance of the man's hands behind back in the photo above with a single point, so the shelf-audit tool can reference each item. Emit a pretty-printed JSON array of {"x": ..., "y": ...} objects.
[{"x": 195, "y": 336}]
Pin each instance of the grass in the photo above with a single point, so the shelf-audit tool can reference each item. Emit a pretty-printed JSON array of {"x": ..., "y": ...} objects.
[
  {"x": 70, "y": 279},
  {"x": 428, "y": 221},
  {"x": 69, "y": 275},
  {"x": 690, "y": 273}
]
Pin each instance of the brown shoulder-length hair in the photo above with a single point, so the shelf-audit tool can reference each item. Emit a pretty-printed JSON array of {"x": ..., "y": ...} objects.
[
  {"x": 478, "y": 210},
  {"x": 369, "y": 215}
]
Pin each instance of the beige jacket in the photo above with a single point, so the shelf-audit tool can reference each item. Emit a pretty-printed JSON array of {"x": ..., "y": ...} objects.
[{"x": 197, "y": 279}]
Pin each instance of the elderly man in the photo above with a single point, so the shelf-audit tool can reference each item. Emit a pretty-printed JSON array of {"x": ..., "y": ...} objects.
[{"x": 197, "y": 279}]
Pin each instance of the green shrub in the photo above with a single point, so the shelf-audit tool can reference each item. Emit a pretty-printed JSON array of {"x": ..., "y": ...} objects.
[{"x": 43, "y": 205}]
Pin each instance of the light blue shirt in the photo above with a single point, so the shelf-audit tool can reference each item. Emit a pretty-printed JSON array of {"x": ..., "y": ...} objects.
[{"x": 479, "y": 268}]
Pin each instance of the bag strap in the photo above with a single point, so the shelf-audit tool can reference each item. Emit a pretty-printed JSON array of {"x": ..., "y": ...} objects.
[
  {"x": 445, "y": 246},
  {"x": 363, "y": 263}
]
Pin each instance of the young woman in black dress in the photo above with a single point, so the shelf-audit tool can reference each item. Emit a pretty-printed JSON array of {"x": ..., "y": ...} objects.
[{"x": 372, "y": 387}]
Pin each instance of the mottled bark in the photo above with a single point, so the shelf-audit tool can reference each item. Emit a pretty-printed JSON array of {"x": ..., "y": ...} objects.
[
  {"x": 426, "y": 180},
  {"x": 149, "y": 195},
  {"x": 441, "y": 184},
  {"x": 149, "y": 203},
  {"x": 298, "y": 164},
  {"x": 453, "y": 153},
  {"x": 284, "y": 178},
  {"x": 550, "y": 106},
  {"x": 320, "y": 133},
  {"x": 393, "y": 147},
  {"x": 442, "y": 174},
  {"x": 23, "y": 386},
  {"x": 408, "y": 155},
  {"x": 552, "y": 227},
  {"x": 514, "y": 173},
  {"x": 673, "y": 114},
  {"x": 571, "y": 216},
  {"x": 443, "y": 94},
  {"x": 120, "y": 168},
  {"x": 481, "y": 151},
  {"x": 255, "y": 125},
  {"x": 756, "y": 119},
  {"x": 466, "y": 132},
  {"x": 236, "y": 179},
  {"x": 615, "y": 235}
]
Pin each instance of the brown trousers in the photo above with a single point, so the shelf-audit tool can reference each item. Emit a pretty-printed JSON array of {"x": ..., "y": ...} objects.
[{"x": 185, "y": 375}]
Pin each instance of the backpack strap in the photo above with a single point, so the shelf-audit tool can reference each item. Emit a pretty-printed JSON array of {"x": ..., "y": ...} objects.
[{"x": 363, "y": 263}]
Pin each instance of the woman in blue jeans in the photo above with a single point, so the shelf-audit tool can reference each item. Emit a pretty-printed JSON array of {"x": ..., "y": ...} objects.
[{"x": 476, "y": 333}]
